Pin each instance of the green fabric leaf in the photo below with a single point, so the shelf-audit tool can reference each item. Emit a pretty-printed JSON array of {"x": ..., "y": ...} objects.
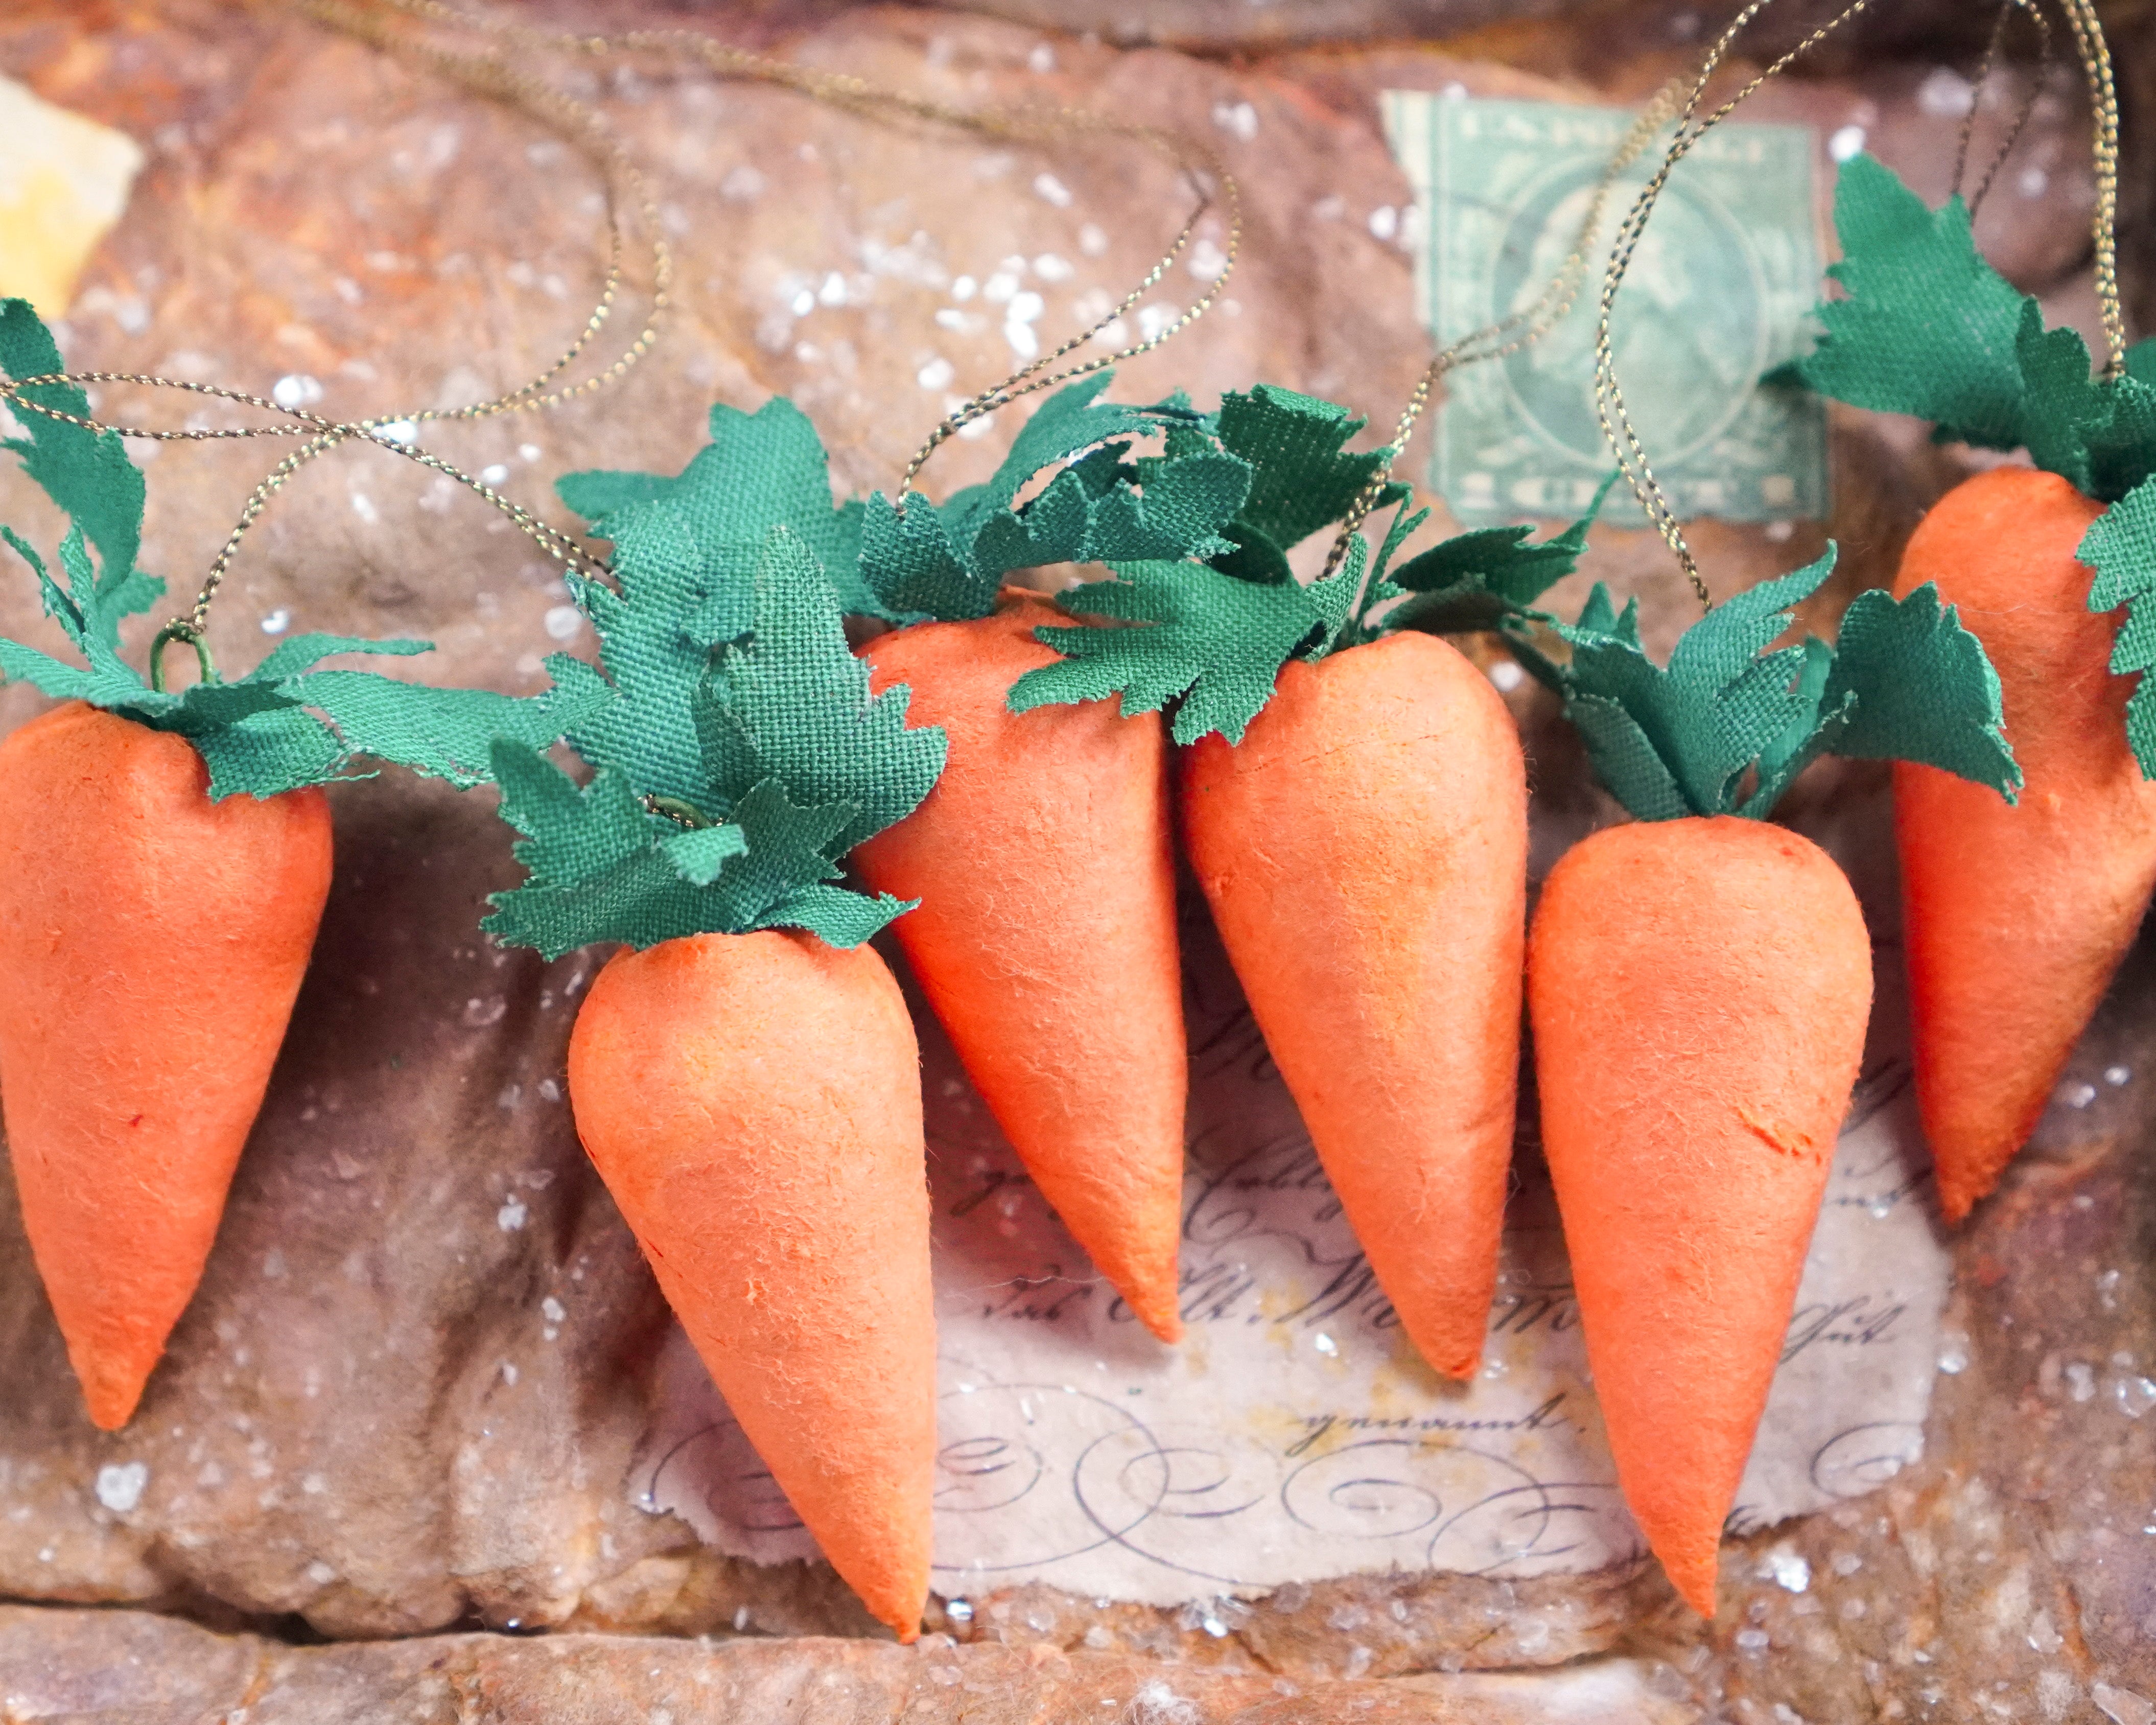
[
  {"x": 87, "y": 473},
  {"x": 794, "y": 705},
  {"x": 760, "y": 470},
  {"x": 796, "y": 763},
  {"x": 1905, "y": 681},
  {"x": 2121, "y": 546},
  {"x": 1302, "y": 478},
  {"x": 1920, "y": 688},
  {"x": 441, "y": 733},
  {"x": 950, "y": 561},
  {"x": 1928, "y": 327},
  {"x": 653, "y": 661},
  {"x": 1488, "y": 578},
  {"x": 268, "y": 753},
  {"x": 1189, "y": 634},
  {"x": 303, "y": 653},
  {"x": 1708, "y": 718}
]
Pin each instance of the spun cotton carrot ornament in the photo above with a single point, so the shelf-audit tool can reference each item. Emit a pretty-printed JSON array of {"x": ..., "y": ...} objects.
[
  {"x": 1354, "y": 802},
  {"x": 164, "y": 860},
  {"x": 2016, "y": 918},
  {"x": 1698, "y": 984},
  {"x": 744, "y": 1074},
  {"x": 1071, "y": 1024}
]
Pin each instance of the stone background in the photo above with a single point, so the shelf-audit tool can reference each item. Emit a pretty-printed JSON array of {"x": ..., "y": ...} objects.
[{"x": 391, "y": 1414}]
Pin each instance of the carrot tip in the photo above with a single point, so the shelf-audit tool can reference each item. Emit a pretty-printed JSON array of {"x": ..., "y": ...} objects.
[
  {"x": 112, "y": 1391},
  {"x": 1695, "y": 1583}
]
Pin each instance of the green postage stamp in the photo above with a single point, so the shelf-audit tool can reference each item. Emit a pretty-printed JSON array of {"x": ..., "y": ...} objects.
[{"x": 1718, "y": 294}]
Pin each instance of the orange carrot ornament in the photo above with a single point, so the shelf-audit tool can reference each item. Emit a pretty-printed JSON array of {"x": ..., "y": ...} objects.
[
  {"x": 1354, "y": 802},
  {"x": 1698, "y": 984},
  {"x": 745, "y": 1075},
  {"x": 164, "y": 860},
  {"x": 2016, "y": 918}
]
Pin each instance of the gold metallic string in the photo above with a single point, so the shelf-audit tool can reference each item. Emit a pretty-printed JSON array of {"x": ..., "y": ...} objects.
[
  {"x": 490, "y": 73},
  {"x": 1521, "y": 329},
  {"x": 1609, "y": 397},
  {"x": 1210, "y": 182}
]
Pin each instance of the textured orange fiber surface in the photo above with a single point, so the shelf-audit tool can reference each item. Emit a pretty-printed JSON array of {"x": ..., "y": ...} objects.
[
  {"x": 2016, "y": 918},
  {"x": 152, "y": 944},
  {"x": 1364, "y": 849},
  {"x": 754, "y": 1103},
  {"x": 1045, "y": 938},
  {"x": 1699, "y": 991}
]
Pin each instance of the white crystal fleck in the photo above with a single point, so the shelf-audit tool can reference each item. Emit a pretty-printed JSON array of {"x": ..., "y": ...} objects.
[{"x": 120, "y": 1485}]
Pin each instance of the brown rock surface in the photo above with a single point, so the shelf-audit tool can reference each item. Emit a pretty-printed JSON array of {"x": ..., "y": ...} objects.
[{"x": 409, "y": 1396}]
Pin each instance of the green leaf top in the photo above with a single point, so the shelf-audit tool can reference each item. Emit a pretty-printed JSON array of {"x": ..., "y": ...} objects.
[
  {"x": 284, "y": 724},
  {"x": 1928, "y": 327},
  {"x": 1211, "y": 638},
  {"x": 949, "y": 560},
  {"x": 2121, "y": 546},
  {"x": 760, "y": 470},
  {"x": 1728, "y": 724},
  {"x": 1189, "y": 634},
  {"x": 796, "y": 762}
]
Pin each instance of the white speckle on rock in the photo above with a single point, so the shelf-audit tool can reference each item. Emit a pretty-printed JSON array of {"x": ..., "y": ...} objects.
[
  {"x": 273, "y": 1265},
  {"x": 2081, "y": 1380},
  {"x": 2135, "y": 1396},
  {"x": 552, "y": 1310},
  {"x": 118, "y": 1488},
  {"x": 1508, "y": 675},
  {"x": 958, "y": 1610},
  {"x": 1953, "y": 1352},
  {"x": 936, "y": 374},
  {"x": 2075, "y": 1093},
  {"x": 481, "y": 1011},
  {"x": 295, "y": 390},
  {"x": 397, "y": 431},
  {"x": 741, "y": 184},
  {"x": 1050, "y": 267},
  {"x": 1846, "y": 143},
  {"x": 833, "y": 289},
  {"x": 1156, "y": 319},
  {"x": 549, "y": 1091},
  {"x": 1239, "y": 120},
  {"x": 999, "y": 287},
  {"x": 964, "y": 288},
  {"x": 1047, "y": 186},
  {"x": 509, "y": 1373},
  {"x": 527, "y": 451},
  {"x": 1207, "y": 261},
  {"x": 2032, "y": 182},
  {"x": 1042, "y": 59},
  {"x": 1157, "y": 1704},
  {"x": 1753, "y": 1640},
  {"x": 2122, "y": 1706},
  {"x": 802, "y": 303},
  {"x": 511, "y": 1216},
  {"x": 1786, "y": 1566},
  {"x": 1025, "y": 308},
  {"x": 1945, "y": 94},
  {"x": 494, "y": 474},
  {"x": 564, "y": 623},
  {"x": 1092, "y": 240},
  {"x": 1024, "y": 342},
  {"x": 363, "y": 505},
  {"x": 1384, "y": 222},
  {"x": 1325, "y": 1345},
  {"x": 2115, "y": 1076},
  {"x": 314, "y": 1485},
  {"x": 276, "y": 622}
]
